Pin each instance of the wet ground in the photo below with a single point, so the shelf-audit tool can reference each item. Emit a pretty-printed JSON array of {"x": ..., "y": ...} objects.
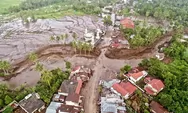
[{"x": 17, "y": 40}]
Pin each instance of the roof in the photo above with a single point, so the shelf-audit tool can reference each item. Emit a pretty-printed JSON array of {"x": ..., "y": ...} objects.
[
  {"x": 68, "y": 86},
  {"x": 69, "y": 109},
  {"x": 73, "y": 97},
  {"x": 120, "y": 89},
  {"x": 124, "y": 88},
  {"x": 115, "y": 45},
  {"x": 79, "y": 86},
  {"x": 128, "y": 87},
  {"x": 112, "y": 105},
  {"x": 53, "y": 107},
  {"x": 157, "y": 107},
  {"x": 76, "y": 69},
  {"x": 156, "y": 84},
  {"x": 58, "y": 97},
  {"x": 136, "y": 75},
  {"x": 127, "y": 23},
  {"x": 31, "y": 103}
]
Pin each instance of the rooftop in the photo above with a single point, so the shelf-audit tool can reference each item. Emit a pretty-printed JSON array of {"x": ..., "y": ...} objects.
[
  {"x": 157, "y": 108},
  {"x": 31, "y": 103},
  {"x": 124, "y": 88},
  {"x": 73, "y": 97},
  {"x": 127, "y": 23},
  {"x": 69, "y": 109},
  {"x": 156, "y": 84},
  {"x": 68, "y": 86},
  {"x": 137, "y": 74}
]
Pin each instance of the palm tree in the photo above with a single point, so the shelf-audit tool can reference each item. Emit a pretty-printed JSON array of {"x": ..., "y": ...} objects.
[
  {"x": 5, "y": 66},
  {"x": 39, "y": 67},
  {"x": 79, "y": 45},
  {"x": 90, "y": 47},
  {"x": 47, "y": 77},
  {"x": 85, "y": 47},
  {"x": 52, "y": 38},
  {"x": 63, "y": 38},
  {"x": 66, "y": 36},
  {"x": 74, "y": 45},
  {"x": 74, "y": 35},
  {"x": 32, "y": 57}
]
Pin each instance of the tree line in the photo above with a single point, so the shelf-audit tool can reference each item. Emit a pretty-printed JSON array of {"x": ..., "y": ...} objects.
[
  {"x": 175, "y": 76},
  {"x": 174, "y": 10}
]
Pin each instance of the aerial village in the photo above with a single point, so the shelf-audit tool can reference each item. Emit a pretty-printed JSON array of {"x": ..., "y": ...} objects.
[{"x": 129, "y": 89}]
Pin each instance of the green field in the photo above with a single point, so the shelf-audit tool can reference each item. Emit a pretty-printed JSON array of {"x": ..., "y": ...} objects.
[{"x": 7, "y": 3}]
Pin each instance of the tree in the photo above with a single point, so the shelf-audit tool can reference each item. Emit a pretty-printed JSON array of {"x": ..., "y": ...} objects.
[
  {"x": 9, "y": 109},
  {"x": 52, "y": 38},
  {"x": 1, "y": 103},
  {"x": 74, "y": 45},
  {"x": 80, "y": 46},
  {"x": 39, "y": 67},
  {"x": 125, "y": 69},
  {"x": 85, "y": 47},
  {"x": 8, "y": 99},
  {"x": 47, "y": 77},
  {"x": 68, "y": 65},
  {"x": 107, "y": 21},
  {"x": 74, "y": 35},
  {"x": 33, "y": 57},
  {"x": 66, "y": 36},
  {"x": 5, "y": 66}
]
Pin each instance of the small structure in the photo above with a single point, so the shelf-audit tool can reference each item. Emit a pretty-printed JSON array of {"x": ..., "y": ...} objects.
[
  {"x": 69, "y": 109},
  {"x": 157, "y": 108},
  {"x": 93, "y": 36},
  {"x": 32, "y": 103},
  {"x": 123, "y": 89},
  {"x": 58, "y": 98},
  {"x": 73, "y": 99},
  {"x": 136, "y": 76},
  {"x": 52, "y": 108},
  {"x": 112, "y": 104},
  {"x": 127, "y": 23},
  {"x": 67, "y": 87},
  {"x": 81, "y": 73},
  {"x": 154, "y": 86}
]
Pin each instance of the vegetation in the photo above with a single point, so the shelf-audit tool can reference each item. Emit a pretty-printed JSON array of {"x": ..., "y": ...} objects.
[
  {"x": 50, "y": 82},
  {"x": 142, "y": 36},
  {"x": 174, "y": 75},
  {"x": 174, "y": 10},
  {"x": 7, "y": 95},
  {"x": 107, "y": 21},
  {"x": 5, "y": 66},
  {"x": 78, "y": 45},
  {"x": 9, "y": 109},
  {"x": 125, "y": 69}
]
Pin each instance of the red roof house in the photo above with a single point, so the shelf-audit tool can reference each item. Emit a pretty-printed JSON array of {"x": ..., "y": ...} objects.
[
  {"x": 76, "y": 69},
  {"x": 157, "y": 108},
  {"x": 136, "y": 76},
  {"x": 127, "y": 23},
  {"x": 154, "y": 87},
  {"x": 124, "y": 89},
  {"x": 79, "y": 86}
]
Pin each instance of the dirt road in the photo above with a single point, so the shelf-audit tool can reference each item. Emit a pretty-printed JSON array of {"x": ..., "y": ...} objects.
[{"x": 102, "y": 66}]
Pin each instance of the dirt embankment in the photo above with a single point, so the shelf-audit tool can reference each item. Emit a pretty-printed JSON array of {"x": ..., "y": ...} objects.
[
  {"x": 141, "y": 52},
  {"x": 58, "y": 49}
]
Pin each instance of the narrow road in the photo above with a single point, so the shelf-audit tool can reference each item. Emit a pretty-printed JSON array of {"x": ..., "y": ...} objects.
[{"x": 92, "y": 86}]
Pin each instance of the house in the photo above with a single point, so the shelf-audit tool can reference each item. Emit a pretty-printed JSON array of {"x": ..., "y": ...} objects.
[
  {"x": 58, "y": 98},
  {"x": 67, "y": 87},
  {"x": 154, "y": 86},
  {"x": 56, "y": 107},
  {"x": 32, "y": 103},
  {"x": 93, "y": 36},
  {"x": 69, "y": 109},
  {"x": 127, "y": 23},
  {"x": 53, "y": 107},
  {"x": 73, "y": 99},
  {"x": 112, "y": 104},
  {"x": 135, "y": 77},
  {"x": 123, "y": 89},
  {"x": 157, "y": 108},
  {"x": 81, "y": 73}
]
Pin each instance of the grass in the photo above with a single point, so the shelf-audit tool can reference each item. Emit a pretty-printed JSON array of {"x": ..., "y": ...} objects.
[{"x": 7, "y": 3}]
